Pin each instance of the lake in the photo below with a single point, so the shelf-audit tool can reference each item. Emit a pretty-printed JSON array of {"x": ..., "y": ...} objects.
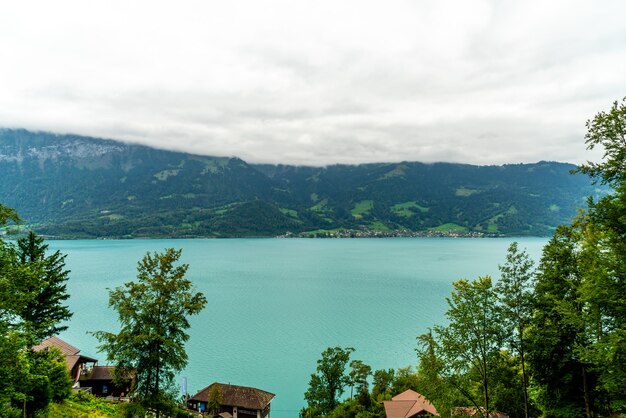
[{"x": 275, "y": 304}]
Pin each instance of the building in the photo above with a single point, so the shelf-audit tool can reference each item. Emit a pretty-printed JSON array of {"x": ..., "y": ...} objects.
[
  {"x": 409, "y": 404},
  {"x": 234, "y": 401},
  {"x": 75, "y": 361},
  {"x": 100, "y": 382},
  {"x": 85, "y": 372}
]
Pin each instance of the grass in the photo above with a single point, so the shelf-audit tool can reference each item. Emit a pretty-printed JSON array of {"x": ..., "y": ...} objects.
[
  {"x": 320, "y": 206},
  {"x": 163, "y": 175},
  {"x": 84, "y": 406},
  {"x": 405, "y": 209},
  {"x": 378, "y": 226},
  {"x": 362, "y": 207},
  {"x": 290, "y": 212},
  {"x": 464, "y": 191},
  {"x": 396, "y": 172}
]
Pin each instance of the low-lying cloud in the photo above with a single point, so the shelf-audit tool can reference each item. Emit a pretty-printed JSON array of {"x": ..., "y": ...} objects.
[{"x": 318, "y": 82}]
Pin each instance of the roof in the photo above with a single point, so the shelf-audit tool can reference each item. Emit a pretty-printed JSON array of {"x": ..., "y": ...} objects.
[
  {"x": 71, "y": 353},
  {"x": 102, "y": 373},
  {"x": 99, "y": 373},
  {"x": 409, "y": 404},
  {"x": 65, "y": 348},
  {"x": 239, "y": 396}
]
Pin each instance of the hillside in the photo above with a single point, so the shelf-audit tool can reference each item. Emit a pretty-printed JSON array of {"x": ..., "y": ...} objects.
[{"x": 72, "y": 186}]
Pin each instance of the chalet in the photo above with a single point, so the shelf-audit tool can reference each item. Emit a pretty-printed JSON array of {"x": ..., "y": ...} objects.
[
  {"x": 409, "y": 404},
  {"x": 75, "y": 361},
  {"x": 85, "y": 372},
  {"x": 234, "y": 401}
]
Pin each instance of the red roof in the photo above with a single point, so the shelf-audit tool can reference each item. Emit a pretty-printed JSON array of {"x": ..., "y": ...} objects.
[
  {"x": 65, "y": 348},
  {"x": 409, "y": 404},
  {"x": 69, "y": 351}
]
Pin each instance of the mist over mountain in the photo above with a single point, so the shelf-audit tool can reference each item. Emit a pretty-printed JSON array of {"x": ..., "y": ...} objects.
[{"x": 74, "y": 186}]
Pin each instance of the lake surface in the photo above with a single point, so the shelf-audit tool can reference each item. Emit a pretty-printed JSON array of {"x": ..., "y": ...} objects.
[{"x": 275, "y": 304}]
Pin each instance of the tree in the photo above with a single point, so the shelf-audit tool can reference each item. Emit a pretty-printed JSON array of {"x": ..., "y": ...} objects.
[
  {"x": 515, "y": 302},
  {"x": 359, "y": 372},
  {"x": 7, "y": 214},
  {"x": 557, "y": 329},
  {"x": 30, "y": 301},
  {"x": 608, "y": 130},
  {"x": 153, "y": 314},
  {"x": 327, "y": 384},
  {"x": 382, "y": 382},
  {"x": 214, "y": 401},
  {"x": 45, "y": 310},
  {"x": 471, "y": 342}
]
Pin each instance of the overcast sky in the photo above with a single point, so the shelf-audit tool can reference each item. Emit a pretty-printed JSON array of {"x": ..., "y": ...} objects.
[{"x": 318, "y": 82}]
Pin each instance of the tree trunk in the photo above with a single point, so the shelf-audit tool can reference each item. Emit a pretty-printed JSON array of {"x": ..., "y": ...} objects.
[
  {"x": 524, "y": 378},
  {"x": 586, "y": 394}
]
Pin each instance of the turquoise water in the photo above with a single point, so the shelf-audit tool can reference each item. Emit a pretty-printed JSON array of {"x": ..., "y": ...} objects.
[{"x": 275, "y": 304}]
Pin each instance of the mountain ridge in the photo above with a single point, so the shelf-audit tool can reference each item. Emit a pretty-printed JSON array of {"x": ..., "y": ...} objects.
[{"x": 75, "y": 186}]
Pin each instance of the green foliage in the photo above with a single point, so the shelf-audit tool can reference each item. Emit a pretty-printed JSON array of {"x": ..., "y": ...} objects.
[
  {"x": 515, "y": 302},
  {"x": 153, "y": 314},
  {"x": 7, "y": 214},
  {"x": 82, "y": 404},
  {"x": 382, "y": 384},
  {"x": 31, "y": 294},
  {"x": 470, "y": 343},
  {"x": 45, "y": 310},
  {"x": 608, "y": 130},
  {"x": 328, "y": 383},
  {"x": 214, "y": 401},
  {"x": 359, "y": 372}
]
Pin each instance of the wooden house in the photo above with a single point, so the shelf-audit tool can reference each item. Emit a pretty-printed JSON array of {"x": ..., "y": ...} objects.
[
  {"x": 234, "y": 401},
  {"x": 85, "y": 372},
  {"x": 75, "y": 361}
]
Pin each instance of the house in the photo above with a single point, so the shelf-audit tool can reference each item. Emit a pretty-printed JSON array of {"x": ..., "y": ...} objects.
[
  {"x": 234, "y": 401},
  {"x": 85, "y": 372},
  {"x": 100, "y": 381},
  {"x": 409, "y": 404},
  {"x": 470, "y": 412},
  {"x": 75, "y": 361}
]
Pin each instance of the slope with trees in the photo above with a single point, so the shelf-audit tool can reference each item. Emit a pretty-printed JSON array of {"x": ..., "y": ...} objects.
[{"x": 71, "y": 186}]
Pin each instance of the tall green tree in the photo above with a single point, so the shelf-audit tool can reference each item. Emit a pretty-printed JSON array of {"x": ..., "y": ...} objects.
[
  {"x": 470, "y": 343},
  {"x": 45, "y": 311},
  {"x": 515, "y": 301},
  {"x": 359, "y": 372},
  {"x": 558, "y": 330},
  {"x": 29, "y": 299},
  {"x": 153, "y": 312},
  {"x": 328, "y": 382}
]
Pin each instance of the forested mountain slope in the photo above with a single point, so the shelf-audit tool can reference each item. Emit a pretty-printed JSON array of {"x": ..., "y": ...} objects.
[{"x": 72, "y": 186}]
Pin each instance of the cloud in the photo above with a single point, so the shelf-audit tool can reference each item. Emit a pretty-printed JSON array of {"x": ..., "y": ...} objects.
[{"x": 318, "y": 82}]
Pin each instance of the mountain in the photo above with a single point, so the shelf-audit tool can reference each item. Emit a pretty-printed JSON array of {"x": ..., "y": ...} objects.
[{"x": 73, "y": 186}]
